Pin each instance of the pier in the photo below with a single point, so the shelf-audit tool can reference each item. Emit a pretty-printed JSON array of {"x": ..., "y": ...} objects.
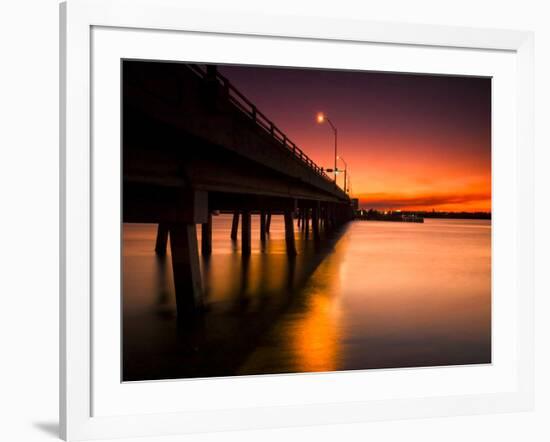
[{"x": 194, "y": 145}]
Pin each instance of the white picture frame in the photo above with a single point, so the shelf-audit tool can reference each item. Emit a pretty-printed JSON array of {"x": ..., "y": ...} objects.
[{"x": 79, "y": 380}]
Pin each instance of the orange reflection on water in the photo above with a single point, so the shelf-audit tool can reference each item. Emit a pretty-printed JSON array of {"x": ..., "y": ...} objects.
[
  {"x": 315, "y": 338},
  {"x": 383, "y": 295}
]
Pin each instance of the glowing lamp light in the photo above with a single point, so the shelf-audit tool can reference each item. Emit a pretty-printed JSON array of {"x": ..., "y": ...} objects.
[{"x": 320, "y": 117}]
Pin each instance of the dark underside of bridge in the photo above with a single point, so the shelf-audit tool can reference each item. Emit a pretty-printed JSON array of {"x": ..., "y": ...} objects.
[{"x": 191, "y": 146}]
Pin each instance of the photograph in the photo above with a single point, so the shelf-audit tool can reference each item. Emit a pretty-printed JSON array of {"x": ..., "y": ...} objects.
[
  {"x": 281, "y": 220},
  {"x": 260, "y": 221}
]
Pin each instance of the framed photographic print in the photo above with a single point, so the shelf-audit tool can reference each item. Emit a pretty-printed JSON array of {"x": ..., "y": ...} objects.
[{"x": 281, "y": 221}]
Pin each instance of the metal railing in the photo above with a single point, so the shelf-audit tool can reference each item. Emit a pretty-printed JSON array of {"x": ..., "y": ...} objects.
[{"x": 251, "y": 111}]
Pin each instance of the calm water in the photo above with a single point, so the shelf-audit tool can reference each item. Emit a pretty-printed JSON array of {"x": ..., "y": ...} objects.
[{"x": 378, "y": 295}]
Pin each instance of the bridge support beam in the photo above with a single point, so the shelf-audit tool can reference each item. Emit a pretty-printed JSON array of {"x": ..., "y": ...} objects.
[
  {"x": 206, "y": 236},
  {"x": 246, "y": 233},
  {"x": 330, "y": 219},
  {"x": 289, "y": 234},
  {"x": 263, "y": 225},
  {"x": 315, "y": 222},
  {"x": 306, "y": 221},
  {"x": 235, "y": 225},
  {"x": 186, "y": 267},
  {"x": 268, "y": 222},
  {"x": 327, "y": 220},
  {"x": 162, "y": 239}
]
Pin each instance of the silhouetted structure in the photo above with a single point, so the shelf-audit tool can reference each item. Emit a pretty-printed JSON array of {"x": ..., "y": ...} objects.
[
  {"x": 397, "y": 216},
  {"x": 193, "y": 144}
]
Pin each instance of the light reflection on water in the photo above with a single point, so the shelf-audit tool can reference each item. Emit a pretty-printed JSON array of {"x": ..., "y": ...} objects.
[{"x": 382, "y": 294}]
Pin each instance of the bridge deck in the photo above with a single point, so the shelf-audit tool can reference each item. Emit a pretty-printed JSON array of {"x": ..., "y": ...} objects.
[{"x": 198, "y": 131}]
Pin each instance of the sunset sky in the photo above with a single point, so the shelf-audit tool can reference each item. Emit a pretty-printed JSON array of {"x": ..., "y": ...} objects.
[{"x": 411, "y": 141}]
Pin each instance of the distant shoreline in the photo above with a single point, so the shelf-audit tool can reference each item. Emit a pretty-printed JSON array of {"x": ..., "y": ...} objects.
[
  {"x": 486, "y": 218},
  {"x": 393, "y": 215}
]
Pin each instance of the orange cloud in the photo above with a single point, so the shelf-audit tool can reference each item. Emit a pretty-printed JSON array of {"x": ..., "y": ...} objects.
[{"x": 480, "y": 201}]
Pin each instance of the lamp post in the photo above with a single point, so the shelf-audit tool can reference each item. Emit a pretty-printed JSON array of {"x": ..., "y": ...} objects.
[
  {"x": 321, "y": 118},
  {"x": 345, "y": 174}
]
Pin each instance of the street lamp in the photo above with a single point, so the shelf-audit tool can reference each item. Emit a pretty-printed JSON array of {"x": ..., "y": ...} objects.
[
  {"x": 345, "y": 173},
  {"x": 321, "y": 118}
]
